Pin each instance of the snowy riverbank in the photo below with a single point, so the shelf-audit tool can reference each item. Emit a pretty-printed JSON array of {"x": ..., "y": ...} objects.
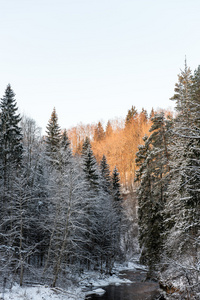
[{"x": 89, "y": 281}]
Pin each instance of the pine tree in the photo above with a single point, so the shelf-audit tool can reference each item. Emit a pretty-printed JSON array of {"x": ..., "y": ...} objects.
[
  {"x": 185, "y": 166},
  {"x": 99, "y": 133},
  {"x": 152, "y": 113},
  {"x": 10, "y": 135},
  {"x": 53, "y": 138},
  {"x": 90, "y": 167},
  {"x": 11, "y": 154},
  {"x": 143, "y": 116},
  {"x": 153, "y": 162},
  {"x": 145, "y": 200},
  {"x": 105, "y": 173},
  {"x": 132, "y": 113},
  {"x": 117, "y": 203},
  {"x": 109, "y": 129},
  {"x": 64, "y": 140},
  {"x": 65, "y": 150},
  {"x": 182, "y": 209},
  {"x": 116, "y": 187}
]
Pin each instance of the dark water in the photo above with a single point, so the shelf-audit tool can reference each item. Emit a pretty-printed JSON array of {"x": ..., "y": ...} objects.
[{"x": 139, "y": 289}]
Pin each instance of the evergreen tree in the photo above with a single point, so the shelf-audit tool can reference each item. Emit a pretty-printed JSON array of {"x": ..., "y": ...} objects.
[
  {"x": 64, "y": 140},
  {"x": 65, "y": 150},
  {"x": 99, "y": 133},
  {"x": 11, "y": 154},
  {"x": 90, "y": 167},
  {"x": 143, "y": 116},
  {"x": 86, "y": 145},
  {"x": 152, "y": 113},
  {"x": 145, "y": 201},
  {"x": 184, "y": 186},
  {"x": 132, "y": 113},
  {"x": 116, "y": 187},
  {"x": 105, "y": 173},
  {"x": 10, "y": 135},
  {"x": 119, "y": 214},
  {"x": 53, "y": 138},
  {"x": 109, "y": 129},
  {"x": 153, "y": 162}
]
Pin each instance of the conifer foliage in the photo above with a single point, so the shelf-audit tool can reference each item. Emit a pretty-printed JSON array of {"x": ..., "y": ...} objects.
[
  {"x": 168, "y": 193},
  {"x": 10, "y": 133},
  {"x": 53, "y": 136},
  {"x": 56, "y": 211},
  {"x": 12, "y": 199},
  {"x": 152, "y": 160}
]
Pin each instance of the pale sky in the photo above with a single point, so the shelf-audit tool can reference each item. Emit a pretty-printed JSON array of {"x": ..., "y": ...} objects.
[{"x": 93, "y": 59}]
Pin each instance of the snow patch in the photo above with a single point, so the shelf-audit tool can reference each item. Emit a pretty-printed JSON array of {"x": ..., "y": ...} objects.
[
  {"x": 42, "y": 293},
  {"x": 88, "y": 280},
  {"x": 98, "y": 291}
]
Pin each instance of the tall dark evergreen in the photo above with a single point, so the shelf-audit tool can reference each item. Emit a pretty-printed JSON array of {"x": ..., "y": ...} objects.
[
  {"x": 184, "y": 187},
  {"x": 64, "y": 140},
  {"x": 116, "y": 187},
  {"x": 11, "y": 149},
  {"x": 153, "y": 162},
  {"x": 90, "y": 167},
  {"x": 65, "y": 150},
  {"x": 53, "y": 138},
  {"x": 105, "y": 173},
  {"x": 11, "y": 154}
]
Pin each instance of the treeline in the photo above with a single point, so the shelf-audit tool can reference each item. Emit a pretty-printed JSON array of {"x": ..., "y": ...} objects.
[
  {"x": 118, "y": 141},
  {"x": 60, "y": 213},
  {"x": 169, "y": 191}
]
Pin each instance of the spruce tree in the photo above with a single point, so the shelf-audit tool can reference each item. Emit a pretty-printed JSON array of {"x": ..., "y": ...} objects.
[
  {"x": 105, "y": 173},
  {"x": 152, "y": 113},
  {"x": 143, "y": 116},
  {"x": 64, "y": 140},
  {"x": 153, "y": 162},
  {"x": 132, "y": 113},
  {"x": 119, "y": 213},
  {"x": 99, "y": 133},
  {"x": 145, "y": 201},
  {"x": 89, "y": 164},
  {"x": 53, "y": 138},
  {"x": 109, "y": 129},
  {"x": 11, "y": 149},
  {"x": 185, "y": 166},
  {"x": 116, "y": 187},
  {"x": 11, "y": 154},
  {"x": 65, "y": 150}
]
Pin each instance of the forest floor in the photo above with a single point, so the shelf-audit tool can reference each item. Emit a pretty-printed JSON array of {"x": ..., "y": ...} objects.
[{"x": 87, "y": 283}]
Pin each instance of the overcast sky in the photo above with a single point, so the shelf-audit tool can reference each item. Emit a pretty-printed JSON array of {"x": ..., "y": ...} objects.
[{"x": 93, "y": 59}]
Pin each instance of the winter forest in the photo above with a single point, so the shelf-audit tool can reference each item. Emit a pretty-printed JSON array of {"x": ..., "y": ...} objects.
[{"x": 88, "y": 197}]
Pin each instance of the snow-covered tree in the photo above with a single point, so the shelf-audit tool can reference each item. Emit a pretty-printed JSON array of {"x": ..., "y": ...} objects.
[
  {"x": 11, "y": 151},
  {"x": 10, "y": 136},
  {"x": 89, "y": 165},
  {"x": 183, "y": 210},
  {"x": 105, "y": 173},
  {"x": 53, "y": 138},
  {"x": 153, "y": 162}
]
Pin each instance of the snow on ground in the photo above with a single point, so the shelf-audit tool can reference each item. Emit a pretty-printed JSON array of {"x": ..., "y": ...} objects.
[
  {"x": 131, "y": 265},
  {"x": 42, "y": 293},
  {"x": 87, "y": 284}
]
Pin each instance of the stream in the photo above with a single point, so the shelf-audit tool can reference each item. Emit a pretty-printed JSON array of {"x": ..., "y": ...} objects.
[{"x": 138, "y": 289}]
